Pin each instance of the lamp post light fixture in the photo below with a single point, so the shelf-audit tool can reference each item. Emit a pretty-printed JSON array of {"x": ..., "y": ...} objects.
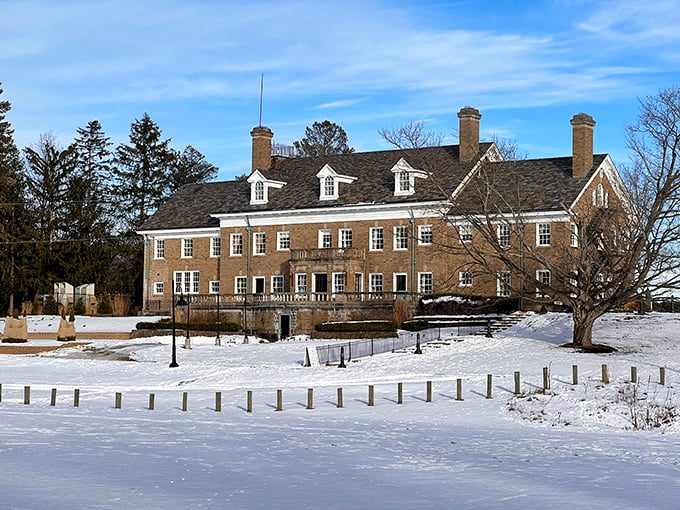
[{"x": 173, "y": 362}]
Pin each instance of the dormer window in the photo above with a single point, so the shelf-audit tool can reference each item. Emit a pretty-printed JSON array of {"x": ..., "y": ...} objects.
[
  {"x": 259, "y": 187},
  {"x": 329, "y": 187},
  {"x": 329, "y": 181},
  {"x": 259, "y": 191},
  {"x": 405, "y": 178}
]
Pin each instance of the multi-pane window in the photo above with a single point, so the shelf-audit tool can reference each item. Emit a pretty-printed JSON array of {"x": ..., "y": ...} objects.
[
  {"x": 542, "y": 277},
  {"x": 425, "y": 235},
  {"x": 465, "y": 278},
  {"x": 504, "y": 234},
  {"x": 158, "y": 287},
  {"x": 236, "y": 245},
  {"x": 543, "y": 234},
  {"x": 377, "y": 235},
  {"x": 283, "y": 241},
  {"x": 375, "y": 281},
  {"x": 328, "y": 186},
  {"x": 401, "y": 237},
  {"x": 241, "y": 285},
  {"x": 404, "y": 182},
  {"x": 214, "y": 287},
  {"x": 325, "y": 238},
  {"x": 345, "y": 240},
  {"x": 277, "y": 284},
  {"x": 187, "y": 248},
  {"x": 215, "y": 246},
  {"x": 425, "y": 283},
  {"x": 503, "y": 284},
  {"x": 338, "y": 283},
  {"x": 465, "y": 233},
  {"x": 159, "y": 253},
  {"x": 301, "y": 283},
  {"x": 260, "y": 243},
  {"x": 573, "y": 282},
  {"x": 573, "y": 235},
  {"x": 259, "y": 191},
  {"x": 187, "y": 282}
]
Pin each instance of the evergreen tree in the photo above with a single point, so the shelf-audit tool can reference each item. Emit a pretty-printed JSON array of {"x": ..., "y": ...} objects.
[
  {"x": 142, "y": 172},
  {"x": 88, "y": 207},
  {"x": 14, "y": 221},
  {"x": 323, "y": 139},
  {"x": 49, "y": 168},
  {"x": 190, "y": 167}
]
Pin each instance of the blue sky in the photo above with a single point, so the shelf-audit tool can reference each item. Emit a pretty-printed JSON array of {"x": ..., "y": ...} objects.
[{"x": 195, "y": 67}]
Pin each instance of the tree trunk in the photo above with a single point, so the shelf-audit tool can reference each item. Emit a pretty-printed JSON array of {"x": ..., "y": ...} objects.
[{"x": 583, "y": 328}]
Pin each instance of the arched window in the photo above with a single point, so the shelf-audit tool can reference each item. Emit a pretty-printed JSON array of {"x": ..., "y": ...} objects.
[
  {"x": 328, "y": 186},
  {"x": 259, "y": 191},
  {"x": 599, "y": 196}
]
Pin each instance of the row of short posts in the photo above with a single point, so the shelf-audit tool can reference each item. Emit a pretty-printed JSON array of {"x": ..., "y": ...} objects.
[{"x": 118, "y": 401}]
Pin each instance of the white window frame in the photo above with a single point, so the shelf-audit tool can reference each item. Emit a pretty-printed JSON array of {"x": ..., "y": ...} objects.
[
  {"x": 465, "y": 278},
  {"x": 187, "y": 282},
  {"x": 158, "y": 288},
  {"x": 260, "y": 243},
  {"x": 400, "y": 237},
  {"x": 236, "y": 245},
  {"x": 214, "y": 287},
  {"x": 394, "y": 282},
  {"x": 503, "y": 284},
  {"x": 159, "y": 249},
  {"x": 376, "y": 238},
  {"x": 325, "y": 238},
  {"x": 338, "y": 282},
  {"x": 215, "y": 247},
  {"x": 277, "y": 284},
  {"x": 376, "y": 283},
  {"x": 187, "y": 248},
  {"x": 503, "y": 232},
  {"x": 465, "y": 232},
  {"x": 329, "y": 189},
  {"x": 425, "y": 235},
  {"x": 344, "y": 238},
  {"x": 240, "y": 285},
  {"x": 425, "y": 283},
  {"x": 283, "y": 240},
  {"x": 573, "y": 235},
  {"x": 543, "y": 276},
  {"x": 543, "y": 233},
  {"x": 404, "y": 184},
  {"x": 301, "y": 285}
]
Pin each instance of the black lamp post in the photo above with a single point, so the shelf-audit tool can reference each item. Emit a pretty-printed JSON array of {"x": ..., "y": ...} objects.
[{"x": 174, "y": 363}]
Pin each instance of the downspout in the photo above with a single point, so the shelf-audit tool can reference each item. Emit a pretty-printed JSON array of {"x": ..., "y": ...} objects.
[
  {"x": 147, "y": 272},
  {"x": 248, "y": 269},
  {"x": 521, "y": 268},
  {"x": 412, "y": 219}
]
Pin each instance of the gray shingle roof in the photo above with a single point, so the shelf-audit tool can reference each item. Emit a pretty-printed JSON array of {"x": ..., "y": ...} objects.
[
  {"x": 539, "y": 184},
  {"x": 192, "y": 205},
  {"x": 526, "y": 185}
]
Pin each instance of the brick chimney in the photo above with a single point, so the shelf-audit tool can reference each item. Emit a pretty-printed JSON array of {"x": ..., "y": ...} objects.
[
  {"x": 468, "y": 133},
  {"x": 582, "y": 144},
  {"x": 262, "y": 147}
]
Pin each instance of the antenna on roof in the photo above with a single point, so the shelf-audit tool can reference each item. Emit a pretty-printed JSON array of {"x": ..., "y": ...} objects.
[{"x": 261, "y": 90}]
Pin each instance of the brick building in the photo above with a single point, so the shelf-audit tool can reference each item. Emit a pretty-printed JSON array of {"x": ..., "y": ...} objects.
[{"x": 358, "y": 236}]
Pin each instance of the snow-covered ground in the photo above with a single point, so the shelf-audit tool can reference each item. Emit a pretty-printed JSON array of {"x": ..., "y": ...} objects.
[{"x": 573, "y": 446}]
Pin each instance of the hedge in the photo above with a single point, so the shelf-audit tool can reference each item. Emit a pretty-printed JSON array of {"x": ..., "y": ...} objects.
[
  {"x": 353, "y": 327},
  {"x": 227, "y": 327}
]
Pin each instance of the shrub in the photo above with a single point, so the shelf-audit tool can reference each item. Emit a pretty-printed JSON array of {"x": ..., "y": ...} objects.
[
  {"x": 416, "y": 325},
  {"x": 79, "y": 308},
  {"x": 50, "y": 306},
  {"x": 104, "y": 306}
]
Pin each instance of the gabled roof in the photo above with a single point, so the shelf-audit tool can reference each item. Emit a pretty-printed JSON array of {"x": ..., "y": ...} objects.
[
  {"x": 536, "y": 185},
  {"x": 193, "y": 205}
]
